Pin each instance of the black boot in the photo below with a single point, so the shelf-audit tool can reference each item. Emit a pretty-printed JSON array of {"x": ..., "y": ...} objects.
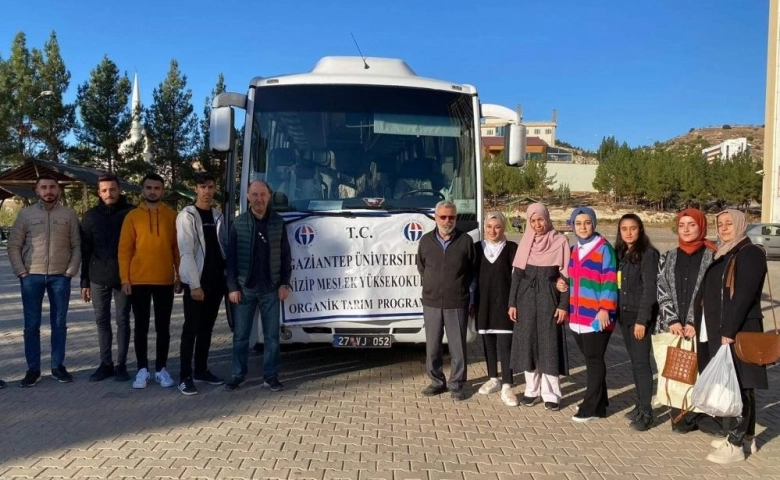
[
  {"x": 643, "y": 421},
  {"x": 103, "y": 372}
]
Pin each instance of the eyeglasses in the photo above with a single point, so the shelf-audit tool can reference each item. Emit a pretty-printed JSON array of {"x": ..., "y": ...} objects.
[{"x": 446, "y": 217}]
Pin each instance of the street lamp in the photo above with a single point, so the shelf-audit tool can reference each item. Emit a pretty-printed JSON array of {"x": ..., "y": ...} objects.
[
  {"x": 27, "y": 126},
  {"x": 45, "y": 93}
]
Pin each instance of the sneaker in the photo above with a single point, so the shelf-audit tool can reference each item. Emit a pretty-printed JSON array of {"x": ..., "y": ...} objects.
[
  {"x": 552, "y": 406},
  {"x": 187, "y": 387},
  {"x": 748, "y": 444},
  {"x": 120, "y": 373},
  {"x": 433, "y": 390},
  {"x": 209, "y": 378},
  {"x": 141, "y": 378},
  {"x": 643, "y": 422},
  {"x": 458, "y": 395},
  {"x": 233, "y": 384},
  {"x": 30, "y": 378},
  {"x": 579, "y": 418},
  {"x": 508, "y": 396},
  {"x": 274, "y": 385},
  {"x": 61, "y": 374},
  {"x": 2, "y": 384},
  {"x": 164, "y": 378},
  {"x": 727, "y": 453},
  {"x": 491, "y": 386},
  {"x": 530, "y": 401},
  {"x": 103, "y": 372}
]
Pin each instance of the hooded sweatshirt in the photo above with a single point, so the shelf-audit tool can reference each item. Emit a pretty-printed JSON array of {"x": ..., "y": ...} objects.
[{"x": 148, "y": 249}]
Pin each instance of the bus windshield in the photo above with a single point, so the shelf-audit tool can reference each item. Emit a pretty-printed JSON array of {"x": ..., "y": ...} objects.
[{"x": 342, "y": 147}]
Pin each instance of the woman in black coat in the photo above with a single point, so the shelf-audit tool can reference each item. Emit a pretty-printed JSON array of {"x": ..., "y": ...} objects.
[
  {"x": 731, "y": 303},
  {"x": 494, "y": 277},
  {"x": 638, "y": 310}
]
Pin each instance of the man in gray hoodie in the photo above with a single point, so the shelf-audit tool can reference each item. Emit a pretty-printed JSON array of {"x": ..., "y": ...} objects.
[{"x": 44, "y": 249}]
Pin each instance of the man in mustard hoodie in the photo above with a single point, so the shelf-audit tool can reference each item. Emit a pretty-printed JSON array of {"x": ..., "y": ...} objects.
[{"x": 148, "y": 269}]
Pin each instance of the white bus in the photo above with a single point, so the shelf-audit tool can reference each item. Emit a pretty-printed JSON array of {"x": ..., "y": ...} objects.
[{"x": 357, "y": 153}]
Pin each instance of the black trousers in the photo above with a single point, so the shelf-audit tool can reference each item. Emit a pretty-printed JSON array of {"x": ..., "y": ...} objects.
[
  {"x": 141, "y": 299},
  {"x": 199, "y": 318},
  {"x": 639, "y": 351},
  {"x": 498, "y": 346},
  {"x": 746, "y": 424},
  {"x": 593, "y": 347}
]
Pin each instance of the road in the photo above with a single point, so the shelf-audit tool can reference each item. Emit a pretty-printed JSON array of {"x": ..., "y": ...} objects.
[{"x": 345, "y": 414}]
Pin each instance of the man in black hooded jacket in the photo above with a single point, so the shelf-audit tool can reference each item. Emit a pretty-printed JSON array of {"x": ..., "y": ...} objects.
[{"x": 100, "y": 229}]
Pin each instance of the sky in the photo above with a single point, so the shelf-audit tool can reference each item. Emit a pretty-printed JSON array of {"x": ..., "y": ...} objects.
[{"x": 639, "y": 70}]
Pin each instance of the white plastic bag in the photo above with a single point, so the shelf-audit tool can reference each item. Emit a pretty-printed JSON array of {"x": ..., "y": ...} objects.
[{"x": 716, "y": 392}]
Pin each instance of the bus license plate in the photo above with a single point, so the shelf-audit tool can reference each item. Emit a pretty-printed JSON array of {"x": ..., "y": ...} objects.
[{"x": 362, "y": 341}]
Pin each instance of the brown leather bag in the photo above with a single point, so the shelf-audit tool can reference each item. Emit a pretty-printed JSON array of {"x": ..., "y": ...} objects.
[
  {"x": 758, "y": 348},
  {"x": 681, "y": 365}
]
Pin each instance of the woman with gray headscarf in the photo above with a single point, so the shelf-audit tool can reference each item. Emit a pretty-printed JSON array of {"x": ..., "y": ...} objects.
[
  {"x": 494, "y": 276},
  {"x": 730, "y": 302}
]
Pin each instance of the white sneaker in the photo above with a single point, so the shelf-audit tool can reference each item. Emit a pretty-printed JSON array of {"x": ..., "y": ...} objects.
[
  {"x": 748, "y": 444},
  {"x": 491, "y": 386},
  {"x": 508, "y": 396},
  {"x": 726, "y": 454},
  {"x": 141, "y": 378},
  {"x": 163, "y": 378}
]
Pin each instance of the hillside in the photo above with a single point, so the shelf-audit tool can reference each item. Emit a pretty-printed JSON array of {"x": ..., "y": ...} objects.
[{"x": 700, "y": 138}]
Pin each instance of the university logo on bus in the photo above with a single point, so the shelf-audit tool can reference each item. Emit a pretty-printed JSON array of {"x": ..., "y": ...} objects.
[
  {"x": 305, "y": 235},
  {"x": 413, "y": 231}
]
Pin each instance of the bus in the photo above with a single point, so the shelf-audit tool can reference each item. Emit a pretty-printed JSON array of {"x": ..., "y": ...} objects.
[{"x": 358, "y": 152}]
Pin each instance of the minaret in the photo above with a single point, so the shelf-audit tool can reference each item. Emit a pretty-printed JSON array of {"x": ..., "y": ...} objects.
[{"x": 137, "y": 132}]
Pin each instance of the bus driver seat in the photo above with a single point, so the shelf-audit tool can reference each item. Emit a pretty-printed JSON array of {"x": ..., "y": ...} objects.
[{"x": 413, "y": 175}]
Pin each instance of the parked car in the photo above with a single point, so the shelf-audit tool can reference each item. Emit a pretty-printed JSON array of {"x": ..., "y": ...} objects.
[{"x": 767, "y": 235}]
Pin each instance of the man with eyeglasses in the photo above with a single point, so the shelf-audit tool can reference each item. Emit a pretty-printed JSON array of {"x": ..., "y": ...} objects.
[{"x": 446, "y": 261}]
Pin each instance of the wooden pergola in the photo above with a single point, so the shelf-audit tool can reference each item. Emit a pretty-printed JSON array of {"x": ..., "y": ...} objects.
[{"x": 20, "y": 181}]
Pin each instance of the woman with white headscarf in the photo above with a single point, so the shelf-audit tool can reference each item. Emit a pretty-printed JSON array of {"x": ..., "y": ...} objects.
[
  {"x": 729, "y": 303},
  {"x": 494, "y": 277}
]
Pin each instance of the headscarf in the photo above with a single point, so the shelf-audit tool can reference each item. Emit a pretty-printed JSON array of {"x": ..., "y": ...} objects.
[
  {"x": 740, "y": 231},
  {"x": 551, "y": 248},
  {"x": 589, "y": 212},
  {"x": 493, "y": 249},
  {"x": 691, "y": 247}
]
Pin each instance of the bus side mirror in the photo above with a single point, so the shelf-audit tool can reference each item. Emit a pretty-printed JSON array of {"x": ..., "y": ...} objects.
[
  {"x": 221, "y": 131},
  {"x": 514, "y": 145}
]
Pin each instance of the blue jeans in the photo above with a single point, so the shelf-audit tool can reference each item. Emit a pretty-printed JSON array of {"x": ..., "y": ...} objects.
[
  {"x": 57, "y": 287},
  {"x": 244, "y": 318}
]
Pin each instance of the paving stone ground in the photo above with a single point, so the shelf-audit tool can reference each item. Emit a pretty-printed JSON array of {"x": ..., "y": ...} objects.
[{"x": 346, "y": 414}]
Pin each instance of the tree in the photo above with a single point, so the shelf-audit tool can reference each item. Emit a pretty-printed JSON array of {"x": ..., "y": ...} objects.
[
  {"x": 499, "y": 179},
  {"x": 19, "y": 91},
  {"x": 52, "y": 118},
  {"x": 105, "y": 116},
  {"x": 660, "y": 183},
  {"x": 535, "y": 178},
  {"x": 693, "y": 180},
  {"x": 172, "y": 127}
]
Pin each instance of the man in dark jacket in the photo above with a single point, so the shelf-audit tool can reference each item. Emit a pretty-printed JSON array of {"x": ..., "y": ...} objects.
[
  {"x": 259, "y": 266},
  {"x": 100, "y": 229},
  {"x": 446, "y": 261}
]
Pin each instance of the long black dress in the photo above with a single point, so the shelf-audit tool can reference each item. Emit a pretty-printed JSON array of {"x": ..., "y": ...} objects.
[
  {"x": 494, "y": 281},
  {"x": 538, "y": 342}
]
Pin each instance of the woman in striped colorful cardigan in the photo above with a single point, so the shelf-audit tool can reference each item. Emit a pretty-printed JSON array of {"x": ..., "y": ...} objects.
[{"x": 593, "y": 298}]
